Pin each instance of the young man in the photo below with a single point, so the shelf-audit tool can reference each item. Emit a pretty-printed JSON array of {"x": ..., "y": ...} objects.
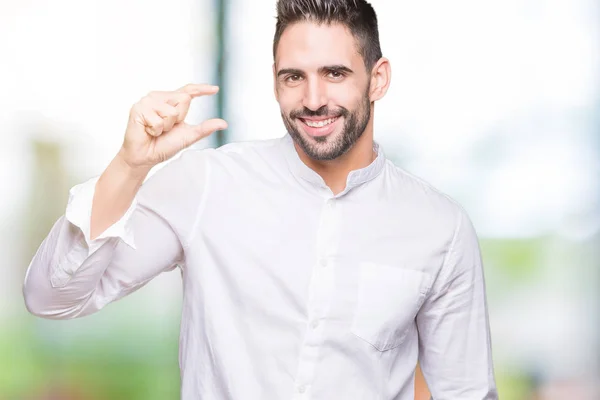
[{"x": 313, "y": 268}]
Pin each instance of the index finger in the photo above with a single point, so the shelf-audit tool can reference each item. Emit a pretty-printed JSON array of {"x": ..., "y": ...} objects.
[{"x": 198, "y": 89}]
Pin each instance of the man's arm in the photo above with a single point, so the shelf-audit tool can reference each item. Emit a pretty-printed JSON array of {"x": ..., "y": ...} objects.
[
  {"x": 454, "y": 334},
  {"x": 72, "y": 275},
  {"x": 90, "y": 257}
]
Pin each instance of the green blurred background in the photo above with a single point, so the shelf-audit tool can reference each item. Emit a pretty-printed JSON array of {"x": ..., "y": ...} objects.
[{"x": 495, "y": 103}]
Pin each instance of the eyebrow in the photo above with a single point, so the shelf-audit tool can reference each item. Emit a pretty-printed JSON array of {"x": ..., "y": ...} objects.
[
  {"x": 327, "y": 68},
  {"x": 289, "y": 71},
  {"x": 337, "y": 68}
]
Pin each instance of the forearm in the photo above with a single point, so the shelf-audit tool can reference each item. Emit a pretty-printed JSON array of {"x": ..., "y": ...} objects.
[{"x": 115, "y": 191}]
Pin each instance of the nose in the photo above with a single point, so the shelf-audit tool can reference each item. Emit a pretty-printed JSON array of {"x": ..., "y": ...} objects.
[{"x": 315, "y": 95}]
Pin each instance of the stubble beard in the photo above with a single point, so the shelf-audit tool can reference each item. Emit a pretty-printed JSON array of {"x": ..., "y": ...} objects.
[{"x": 331, "y": 146}]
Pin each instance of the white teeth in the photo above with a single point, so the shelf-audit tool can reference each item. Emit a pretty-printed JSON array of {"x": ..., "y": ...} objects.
[{"x": 319, "y": 124}]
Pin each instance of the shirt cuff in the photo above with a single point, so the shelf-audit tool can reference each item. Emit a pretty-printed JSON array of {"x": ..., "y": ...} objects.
[{"x": 79, "y": 213}]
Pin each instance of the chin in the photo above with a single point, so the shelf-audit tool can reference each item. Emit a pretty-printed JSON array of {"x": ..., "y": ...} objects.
[{"x": 321, "y": 139}]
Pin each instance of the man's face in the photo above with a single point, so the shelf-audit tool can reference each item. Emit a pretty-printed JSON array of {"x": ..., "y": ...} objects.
[{"x": 322, "y": 86}]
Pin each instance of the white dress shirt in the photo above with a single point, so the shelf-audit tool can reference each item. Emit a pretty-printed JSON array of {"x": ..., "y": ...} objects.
[{"x": 290, "y": 292}]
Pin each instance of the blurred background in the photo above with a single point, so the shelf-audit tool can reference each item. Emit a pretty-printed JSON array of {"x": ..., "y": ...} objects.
[{"x": 496, "y": 103}]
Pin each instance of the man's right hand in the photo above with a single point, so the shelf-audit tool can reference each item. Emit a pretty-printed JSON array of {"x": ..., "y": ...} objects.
[{"x": 156, "y": 130}]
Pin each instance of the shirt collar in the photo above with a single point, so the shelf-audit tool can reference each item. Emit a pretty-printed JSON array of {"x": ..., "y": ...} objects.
[{"x": 355, "y": 178}]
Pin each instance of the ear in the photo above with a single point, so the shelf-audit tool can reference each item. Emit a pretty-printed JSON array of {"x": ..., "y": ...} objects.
[
  {"x": 275, "y": 82},
  {"x": 381, "y": 76}
]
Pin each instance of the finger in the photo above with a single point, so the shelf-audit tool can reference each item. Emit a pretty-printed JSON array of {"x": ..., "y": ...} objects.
[
  {"x": 153, "y": 123},
  {"x": 173, "y": 98},
  {"x": 169, "y": 114},
  {"x": 183, "y": 107},
  {"x": 182, "y": 97},
  {"x": 198, "y": 89},
  {"x": 209, "y": 126},
  {"x": 180, "y": 100}
]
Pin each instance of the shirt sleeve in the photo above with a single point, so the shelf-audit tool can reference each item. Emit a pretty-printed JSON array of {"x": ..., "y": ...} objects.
[
  {"x": 72, "y": 276},
  {"x": 454, "y": 334},
  {"x": 79, "y": 213}
]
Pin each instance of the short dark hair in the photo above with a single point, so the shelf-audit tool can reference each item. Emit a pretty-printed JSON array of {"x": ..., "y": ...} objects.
[{"x": 357, "y": 15}]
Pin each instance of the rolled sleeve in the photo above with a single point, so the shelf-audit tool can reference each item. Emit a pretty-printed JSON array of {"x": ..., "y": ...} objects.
[{"x": 79, "y": 213}]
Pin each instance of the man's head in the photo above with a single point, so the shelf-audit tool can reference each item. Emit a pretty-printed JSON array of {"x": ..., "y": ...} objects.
[{"x": 328, "y": 71}]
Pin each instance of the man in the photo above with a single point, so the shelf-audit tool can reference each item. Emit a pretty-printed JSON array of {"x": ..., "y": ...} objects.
[{"x": 313, "y": 268}]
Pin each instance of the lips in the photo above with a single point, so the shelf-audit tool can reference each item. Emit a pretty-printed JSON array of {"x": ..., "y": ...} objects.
[
  {"x": 313, "y": 123},
  {"x": 319, "y": 127}
]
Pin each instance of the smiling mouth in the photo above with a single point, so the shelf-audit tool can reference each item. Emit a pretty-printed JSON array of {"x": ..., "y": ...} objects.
[{"x": 319, "y": 124}]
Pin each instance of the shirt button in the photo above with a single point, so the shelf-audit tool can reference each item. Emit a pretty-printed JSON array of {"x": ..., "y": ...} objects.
[
  {"x": 331, "y": 203},
  {"x": 323, "y": 263},
  {"x": 301, "y": 389},
  {"x": 314, "y": 324}
]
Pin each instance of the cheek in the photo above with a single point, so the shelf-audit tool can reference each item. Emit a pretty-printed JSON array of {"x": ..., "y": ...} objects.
[
  {"x": 289, "y": 98},
  {"x": 345, "y": 100},
  {"x": 346, "y": 96}
]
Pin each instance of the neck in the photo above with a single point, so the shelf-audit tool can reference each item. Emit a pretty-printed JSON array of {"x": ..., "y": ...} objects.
[{"x": 335, "y": 172}]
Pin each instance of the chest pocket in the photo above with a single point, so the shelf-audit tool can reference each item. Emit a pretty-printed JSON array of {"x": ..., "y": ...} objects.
[{"x": 388, "y": 300}]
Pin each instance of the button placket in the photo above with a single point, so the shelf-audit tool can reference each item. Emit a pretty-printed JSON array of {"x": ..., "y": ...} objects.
[{"x": 319, "y": 297}]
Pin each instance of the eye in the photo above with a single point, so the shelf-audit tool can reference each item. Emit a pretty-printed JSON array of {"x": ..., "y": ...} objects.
[
  {"x": 294, "y": 78},
  {"x": 336, "y": 75}
]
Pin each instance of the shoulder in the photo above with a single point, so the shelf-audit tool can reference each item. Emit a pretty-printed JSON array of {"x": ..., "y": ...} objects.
[
  {"x": 237, "y": 162},
  {"x": 412, "y": 188},
  {"x": 193, "y": 163},
  {"x": 246, "y": 153},
  {"x": 425, "y": 204}
]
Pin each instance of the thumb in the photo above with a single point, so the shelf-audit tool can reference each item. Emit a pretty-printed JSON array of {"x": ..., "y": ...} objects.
[{"x": 209, "y": 126}]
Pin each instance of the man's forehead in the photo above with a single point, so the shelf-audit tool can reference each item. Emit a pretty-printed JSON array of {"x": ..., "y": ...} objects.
[{"x": 311, "y": 45}]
